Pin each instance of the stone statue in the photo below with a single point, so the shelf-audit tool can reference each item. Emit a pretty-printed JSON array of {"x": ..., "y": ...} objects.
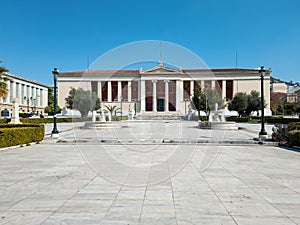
[
  {"x": 102, "y": 113},
  {"x": 216, "y": 106},
  {"x": 15, "y": 115}
]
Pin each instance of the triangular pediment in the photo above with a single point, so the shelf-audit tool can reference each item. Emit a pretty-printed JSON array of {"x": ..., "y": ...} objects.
[{"x": 160, "y": 69}]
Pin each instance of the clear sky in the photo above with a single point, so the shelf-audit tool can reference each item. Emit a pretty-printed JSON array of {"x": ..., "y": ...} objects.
[{"x": 37, "y": 35}]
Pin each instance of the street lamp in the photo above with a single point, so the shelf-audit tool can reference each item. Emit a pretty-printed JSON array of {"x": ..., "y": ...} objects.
[
  {"x": 135, "y": 100},
  {"x": 27, "y": 101},
  {"x": 55, "y": 132},
  {"x": 262, "y": 134},
  {"x": 206, "y": 103},
  {"x": 199, "y": 108}
]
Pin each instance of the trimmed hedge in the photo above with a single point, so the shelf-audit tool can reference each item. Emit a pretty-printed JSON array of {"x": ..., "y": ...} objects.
[
  {"x": 18, "y": 134},
  {"x": 238, "y": 119},
  {"x": 268, "y": 119},
  {"x": 281, "y": 120}
]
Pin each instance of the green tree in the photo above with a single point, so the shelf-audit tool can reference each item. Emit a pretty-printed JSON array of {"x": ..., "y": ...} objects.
[
  {"x": 290, "y": 108},
  {"x": 82, "y": 100},
  {"x": 50, "y": 95},
  {"x": 253, "y": 102},
  {"x": 50, "y": 109},
  {"x": 70, "y": 99},
  {"x": 239, "y": 103},
  {"x": 3, "y": 85},
  {"x": 214, "y": 97},
  {"x": 112, "y": 109},
  {"x": 199, "y": 100}
]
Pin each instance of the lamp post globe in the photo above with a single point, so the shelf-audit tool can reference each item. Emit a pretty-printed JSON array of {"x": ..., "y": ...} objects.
[
  {"x": 55, "y": 132},
  {"x": 262, "y": 134}
]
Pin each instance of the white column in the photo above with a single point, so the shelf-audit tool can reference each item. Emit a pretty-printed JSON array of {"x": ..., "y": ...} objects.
[
  {"x": 181, "y": 91},
  {"x": 109, "y": 91},
  {"x": 202, "y": 84},
  {"x": 178, "y": 95},
  {"x": 213, "y": 84},
  {"x": 154, "y": 99},
  {"x": 119, "y": 91},
  {"x": 129, "y": 91},
  {"x": 191, "y": 88},
  {"x": 143, "y": 96},
  {"x": 224, "y": 89},
  {"x": 166, "y": 96},
  {"x": 99, "y": 90}
]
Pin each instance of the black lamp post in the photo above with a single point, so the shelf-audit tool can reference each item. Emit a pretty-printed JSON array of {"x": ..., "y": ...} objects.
[
  {"x": 199, "y": 107},
  {"x": 27, "y": 102},
  {"x": 206, "y": 104},
  {"x": 135, "y": 100},
  {"x": 55, "y": 131},
  {"x": 262, "y": 74}
]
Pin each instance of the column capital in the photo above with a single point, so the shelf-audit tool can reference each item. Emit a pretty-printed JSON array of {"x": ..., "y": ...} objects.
[
  {"x": 166, "y": 81},
  {"x": 154, "y": 81}
]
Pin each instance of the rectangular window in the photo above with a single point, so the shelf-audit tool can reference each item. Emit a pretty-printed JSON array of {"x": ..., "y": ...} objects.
[
  {"x": 114, "y": 90},
  {"x": 104, "y": 86},
  {"x": 134, "y": 90},
  {"x": 229, "y": 89},
  {"x": 124, "y": 85},
  {"x": 17, "y": 90},
  {"x": 186, "y": 89},
  {"x": 94, "y": 85}
]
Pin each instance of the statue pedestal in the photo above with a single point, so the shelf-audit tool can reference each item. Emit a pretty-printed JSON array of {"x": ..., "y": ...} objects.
[{"x": 15, "y": 119}]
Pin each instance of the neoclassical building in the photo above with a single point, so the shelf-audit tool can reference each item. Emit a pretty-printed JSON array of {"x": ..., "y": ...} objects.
[
  {"x": 160, "y": 89},
  {"x": 32, "y": 96}
]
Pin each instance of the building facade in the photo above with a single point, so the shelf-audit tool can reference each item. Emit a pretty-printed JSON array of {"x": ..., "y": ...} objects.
[
  {"x": 160, "y": 89},
  {"x": 31, "y": 95}
]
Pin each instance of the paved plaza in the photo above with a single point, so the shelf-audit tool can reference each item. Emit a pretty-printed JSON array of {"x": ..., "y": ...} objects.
[{"x": 157, "y": 172}]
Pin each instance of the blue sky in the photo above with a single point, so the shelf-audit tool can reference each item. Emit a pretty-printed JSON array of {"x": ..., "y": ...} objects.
[{"x": 37, "y": 35}]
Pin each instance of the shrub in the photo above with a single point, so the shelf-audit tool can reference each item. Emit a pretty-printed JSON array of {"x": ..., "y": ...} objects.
[
  {"x": 18, "y": 134},
  {"x": 294, "y": 138}
]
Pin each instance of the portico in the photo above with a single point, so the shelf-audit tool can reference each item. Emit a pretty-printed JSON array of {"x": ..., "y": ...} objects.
[{"x": 159, "y": 89}]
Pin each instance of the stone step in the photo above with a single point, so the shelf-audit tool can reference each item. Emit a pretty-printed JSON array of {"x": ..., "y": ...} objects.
[{"x": 158, "y": 116}]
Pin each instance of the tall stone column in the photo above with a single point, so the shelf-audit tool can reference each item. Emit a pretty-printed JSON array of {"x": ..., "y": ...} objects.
[
  {"x": 119, "y": 91},
  {"x": 213, "y": 84},
  {"x": 224, "y": 89},
  {"x": 178, "y": 95},
  {"x": 129, "y": 91},
  {"x": 154, "y": 97},
  {"x": 202, "y": 85},
  {"x": 166, "y": 96},
  {"x": 109, "y": 91},
  {"x": 143, "y": 96},
  {"x": 191, "y": 88}
]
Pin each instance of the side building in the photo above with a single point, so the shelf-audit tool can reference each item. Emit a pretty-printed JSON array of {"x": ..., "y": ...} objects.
[
  {"x": 32, "y": 96},
  {"x": 160, "y": 89}
]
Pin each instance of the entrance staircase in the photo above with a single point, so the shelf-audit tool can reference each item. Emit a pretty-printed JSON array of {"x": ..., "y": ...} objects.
[{"x": 158, "y": 116}]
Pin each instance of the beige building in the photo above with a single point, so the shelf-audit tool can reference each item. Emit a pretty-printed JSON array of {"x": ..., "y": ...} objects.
[
  {"x": 32, "y": 96},
  {"x": 160, "y": 89}
]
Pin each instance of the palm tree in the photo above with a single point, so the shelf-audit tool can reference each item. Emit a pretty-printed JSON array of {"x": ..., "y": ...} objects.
[
  {"x": 111, "y": 108},
  {"x": 3, "y": 85}
]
